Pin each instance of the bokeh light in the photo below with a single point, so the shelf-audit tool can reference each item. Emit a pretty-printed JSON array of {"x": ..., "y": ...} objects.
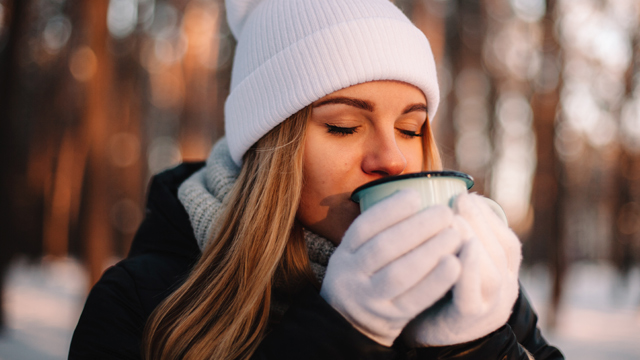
[
  {"x": 529, "y": 10},
  {"x": 164, "y": 152},
  {"x": 122, "y": 17},
  {"x": 124, "y": 149},
  {"x": 83, "y": 64},
  {"x": 515, "y": 164},
  {"x": 56, "y": 33}
]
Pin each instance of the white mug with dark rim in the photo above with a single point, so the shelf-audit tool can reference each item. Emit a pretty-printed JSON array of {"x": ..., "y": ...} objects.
[{"x": 435, "y": 187}]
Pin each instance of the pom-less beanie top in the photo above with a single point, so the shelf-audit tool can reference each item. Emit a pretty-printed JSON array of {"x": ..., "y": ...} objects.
[{"x": 291, "y": 53}]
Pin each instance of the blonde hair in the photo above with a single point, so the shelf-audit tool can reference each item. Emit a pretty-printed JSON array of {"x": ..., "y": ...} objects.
[
  {"x": 222, "y": 310},
  {"x": 432, "y": 159}
]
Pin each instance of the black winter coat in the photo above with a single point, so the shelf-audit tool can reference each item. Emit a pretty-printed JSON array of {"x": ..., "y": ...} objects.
[{"x": 164, "y": 250}]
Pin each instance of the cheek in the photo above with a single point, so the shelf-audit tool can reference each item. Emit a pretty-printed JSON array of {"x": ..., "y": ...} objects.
[
  {"x": 329, "y": 178},
  {"x": 317, "y": 181},
  {"x": 414, "y": 154},
  {"x": 317, "y": 166},
  {"x": 327, "y": 162},
  {"x": 324, "y": 177}
]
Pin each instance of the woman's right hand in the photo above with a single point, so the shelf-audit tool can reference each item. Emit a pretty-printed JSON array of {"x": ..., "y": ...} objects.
[{"x": 394, "y": 261}]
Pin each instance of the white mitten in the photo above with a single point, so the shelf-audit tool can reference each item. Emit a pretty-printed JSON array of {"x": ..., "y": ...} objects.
[
  {"x": 487, "y": 288},
  {"x": 394, "y": 261}
]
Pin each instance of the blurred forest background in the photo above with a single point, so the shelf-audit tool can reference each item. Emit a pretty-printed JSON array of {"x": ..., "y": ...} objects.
[{"x": 540, "y": 104}]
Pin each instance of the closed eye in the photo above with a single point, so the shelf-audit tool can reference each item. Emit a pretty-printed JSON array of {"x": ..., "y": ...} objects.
[
  {"x": 409, "y": 134},
  {"x": 341, "y": 131}
]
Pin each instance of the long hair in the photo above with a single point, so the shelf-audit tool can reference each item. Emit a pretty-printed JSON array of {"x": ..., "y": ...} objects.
[{"x": 222, "y": 310}]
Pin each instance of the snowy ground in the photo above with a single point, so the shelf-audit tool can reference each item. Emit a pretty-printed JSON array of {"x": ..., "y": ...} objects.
[
  {"x": 600, "y": 314},
  {"x": 599, "y": 319},
  {"x": 43, "y": 304}
]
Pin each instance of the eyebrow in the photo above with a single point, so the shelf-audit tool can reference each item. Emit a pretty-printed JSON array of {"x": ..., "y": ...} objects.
[
  {"x": 360, "y": 104},
  {"x": 367, "y": 105},
  {"x": 415, "y": 107}
]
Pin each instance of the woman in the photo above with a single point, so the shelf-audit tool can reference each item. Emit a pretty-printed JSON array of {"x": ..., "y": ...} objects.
[{"x": 260, "y": 253}]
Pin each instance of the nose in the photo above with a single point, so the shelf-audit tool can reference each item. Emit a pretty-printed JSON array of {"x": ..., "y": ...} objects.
[{"x": 383, "y": 157}]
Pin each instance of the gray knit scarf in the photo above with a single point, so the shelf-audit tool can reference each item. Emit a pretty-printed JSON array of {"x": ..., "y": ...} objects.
[{"x": 203, "y": 194}]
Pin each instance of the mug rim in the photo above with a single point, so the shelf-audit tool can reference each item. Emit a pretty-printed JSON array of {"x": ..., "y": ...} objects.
[{"x": 468, "y": 179}]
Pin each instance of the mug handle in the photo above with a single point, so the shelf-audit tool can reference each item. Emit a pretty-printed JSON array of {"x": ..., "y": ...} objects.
[{"x": 497, "y": 209}]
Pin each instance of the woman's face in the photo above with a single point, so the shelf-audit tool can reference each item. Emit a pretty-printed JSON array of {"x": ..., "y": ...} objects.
[{"x": 356, "y": 135}]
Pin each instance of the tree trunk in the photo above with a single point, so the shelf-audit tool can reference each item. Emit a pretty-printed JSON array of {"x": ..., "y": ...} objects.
[
  {"x": 626, "y": 202},
  {"x": 10, "y": 155},
  {"x": 466, "y": 29},
  {"x": 98, "y": 231},
  {"x": 547, "y": 238}
]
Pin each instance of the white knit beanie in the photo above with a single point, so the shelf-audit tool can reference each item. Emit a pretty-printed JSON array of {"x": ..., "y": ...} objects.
[{"x": 291, "y": 53}]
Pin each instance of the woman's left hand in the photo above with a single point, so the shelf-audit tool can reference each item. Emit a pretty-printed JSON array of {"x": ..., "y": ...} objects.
[{"x": 487, "y": 287}]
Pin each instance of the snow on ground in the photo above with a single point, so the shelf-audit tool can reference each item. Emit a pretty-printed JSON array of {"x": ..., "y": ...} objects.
[
  {"x": 43, "y": 303},
  {"x": 599, "y": 319}
]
